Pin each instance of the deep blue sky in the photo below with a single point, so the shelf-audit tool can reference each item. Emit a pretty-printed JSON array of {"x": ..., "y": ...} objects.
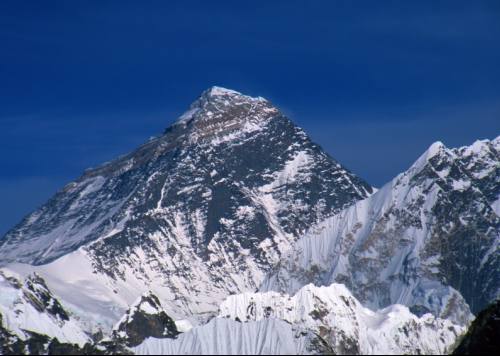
[{"x": 374, "y": 82}]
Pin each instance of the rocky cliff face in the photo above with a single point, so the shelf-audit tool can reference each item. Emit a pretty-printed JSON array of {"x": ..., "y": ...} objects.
[
  {"x": 146, "y": 318},
  {"x": 426, "y": 239}
]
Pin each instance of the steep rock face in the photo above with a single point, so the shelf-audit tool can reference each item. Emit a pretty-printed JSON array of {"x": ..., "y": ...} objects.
[
  {"x": 342, "y": 323},
  {"x": 199, "y": 213},
  {"x": 11, "y": 344},
  {"x": 483, "y": 336},
  {"x": 146, "y": 318},
  {"x": 481, "y": 161},
  {"x": 424, "y": 240}
]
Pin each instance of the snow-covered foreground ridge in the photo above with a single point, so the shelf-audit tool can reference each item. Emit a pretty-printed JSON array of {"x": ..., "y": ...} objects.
[{"x": 315, "y": 320}]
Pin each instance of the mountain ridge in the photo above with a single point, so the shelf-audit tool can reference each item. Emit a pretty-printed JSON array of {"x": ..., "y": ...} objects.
[
  {"x": 382, "y": 247},
  {"x": 234, "y": 203}
]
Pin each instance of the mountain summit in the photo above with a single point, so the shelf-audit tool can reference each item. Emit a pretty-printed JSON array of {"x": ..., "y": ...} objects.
[
  {"x": 201, "y": 212},
  {"x": 218, "y": 112}
]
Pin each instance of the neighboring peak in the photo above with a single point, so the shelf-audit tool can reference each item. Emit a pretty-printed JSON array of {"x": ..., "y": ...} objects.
[
  {"x": 480, "y": 157},
  {"x": 435, "y": 149},
  {"x": 496, "y": 143},
  {"x": 480, "y": 147}
]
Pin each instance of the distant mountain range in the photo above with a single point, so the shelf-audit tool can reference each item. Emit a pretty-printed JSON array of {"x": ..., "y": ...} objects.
[{"x": 231, "y": 232}]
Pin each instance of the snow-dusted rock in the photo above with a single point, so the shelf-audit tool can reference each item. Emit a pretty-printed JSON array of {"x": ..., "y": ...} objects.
[
  {"x": 428, "y": 239},
  {"x": 145, "y": 318},
  {"x": 199, "y": 213},
  {"x": 28, "y": 307}
]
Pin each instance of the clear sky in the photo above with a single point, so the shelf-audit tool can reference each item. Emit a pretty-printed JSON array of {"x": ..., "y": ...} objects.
[{"x": 373, "y": 82}]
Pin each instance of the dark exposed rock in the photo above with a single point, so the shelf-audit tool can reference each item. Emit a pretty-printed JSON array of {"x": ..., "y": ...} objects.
[
  {"x": 145, "y": 319},
  {"x": 39, "y": 296},
  {"x": 483, "y": 336}
]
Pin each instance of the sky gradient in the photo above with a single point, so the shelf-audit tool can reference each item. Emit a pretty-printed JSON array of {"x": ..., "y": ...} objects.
[{"x": 375, "y": 83}]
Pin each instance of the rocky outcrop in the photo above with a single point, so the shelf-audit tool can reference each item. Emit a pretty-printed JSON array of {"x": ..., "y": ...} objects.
[
  {"x": 146, "y": 318},
  {"x": 483, "y": 336}
]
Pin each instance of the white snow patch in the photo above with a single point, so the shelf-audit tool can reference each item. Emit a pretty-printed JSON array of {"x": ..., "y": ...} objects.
[{"x": 334, "y": 308}]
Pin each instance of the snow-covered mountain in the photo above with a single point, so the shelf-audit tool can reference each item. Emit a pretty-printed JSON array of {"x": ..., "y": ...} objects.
[
  {"x": 199, "y": 213},
  {"x": 206, "y": 239},
  {"x": 317, "y": 320},
  {"x": 429, "y": 239}
]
